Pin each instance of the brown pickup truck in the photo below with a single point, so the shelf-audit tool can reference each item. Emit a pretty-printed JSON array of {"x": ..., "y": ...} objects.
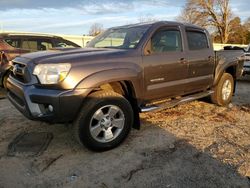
[{"x": 124, "y": 71}]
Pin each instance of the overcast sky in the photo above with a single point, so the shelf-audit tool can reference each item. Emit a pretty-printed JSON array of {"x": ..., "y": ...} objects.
[{"x": 76, "y": 16}]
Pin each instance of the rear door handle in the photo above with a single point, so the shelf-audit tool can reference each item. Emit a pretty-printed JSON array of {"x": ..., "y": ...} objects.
[{"x": 183, "y": 61}]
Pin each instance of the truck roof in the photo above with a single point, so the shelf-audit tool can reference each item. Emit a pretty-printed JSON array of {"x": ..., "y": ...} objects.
[{"x": 158, "y": 23}]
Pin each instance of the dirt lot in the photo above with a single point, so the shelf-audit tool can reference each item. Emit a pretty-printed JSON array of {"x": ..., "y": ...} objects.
[{"x": 193, "y": 145}]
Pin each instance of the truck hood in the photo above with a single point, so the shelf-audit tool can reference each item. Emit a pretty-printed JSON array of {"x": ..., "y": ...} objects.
[{"x": 72, "y": 55}]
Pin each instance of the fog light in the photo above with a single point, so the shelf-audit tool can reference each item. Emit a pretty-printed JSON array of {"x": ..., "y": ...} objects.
[{"x": 50, "y": 107}]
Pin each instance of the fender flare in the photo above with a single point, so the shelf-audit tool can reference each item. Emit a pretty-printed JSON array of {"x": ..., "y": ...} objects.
[
  {"x": 93, "y": 81},
  {"x": 221, "y": 70}
]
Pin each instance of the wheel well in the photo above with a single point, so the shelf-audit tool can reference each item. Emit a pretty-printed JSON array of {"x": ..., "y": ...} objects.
[
  {"x": 126, "y": 89},
  {"x": 231, "y": 70}
]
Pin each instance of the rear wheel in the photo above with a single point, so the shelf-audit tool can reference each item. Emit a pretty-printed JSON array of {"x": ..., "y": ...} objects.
[
  {"x": 224, "y": 90},
  {"x": 104, "y": 121}
]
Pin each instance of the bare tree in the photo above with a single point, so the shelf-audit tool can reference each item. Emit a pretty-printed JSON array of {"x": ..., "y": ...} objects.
[
  {"x": 247, "y": 24},
  {"x": 190, "y": 14},
  {"x": 209, "y": 13},
  {"x": 95, "y": 29}
]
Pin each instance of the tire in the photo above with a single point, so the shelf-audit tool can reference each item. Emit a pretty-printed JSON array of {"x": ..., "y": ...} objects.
[
  {"x": 223, "y": 92},
  {"x": 104, "y": 121}
]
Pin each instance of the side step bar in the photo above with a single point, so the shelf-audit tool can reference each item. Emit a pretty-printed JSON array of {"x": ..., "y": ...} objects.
[{"x": 175, "y": 102}]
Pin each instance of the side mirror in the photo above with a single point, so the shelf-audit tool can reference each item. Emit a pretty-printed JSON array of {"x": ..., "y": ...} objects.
[{"x": 148, "y": 52}]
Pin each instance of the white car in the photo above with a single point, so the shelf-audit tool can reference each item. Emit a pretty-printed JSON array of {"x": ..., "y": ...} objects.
[
  {"x": 247, "y": 53},
  {"x": 247, "y": 61}
]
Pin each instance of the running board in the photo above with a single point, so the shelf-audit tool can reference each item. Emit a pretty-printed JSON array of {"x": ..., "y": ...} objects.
[{"x": 175, "y": 102}]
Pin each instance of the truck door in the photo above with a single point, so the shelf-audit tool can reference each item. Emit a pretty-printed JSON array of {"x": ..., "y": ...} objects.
[
  {"x": 201, "y": 60},
  {"x": 165, "y": 65}
]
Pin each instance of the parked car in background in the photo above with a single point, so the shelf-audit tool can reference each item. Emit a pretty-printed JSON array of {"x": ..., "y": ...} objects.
[
  {"x": 15, "y": 44},
  {"x": 246, "y": 67},
  {"x": 247, "y": 53}
]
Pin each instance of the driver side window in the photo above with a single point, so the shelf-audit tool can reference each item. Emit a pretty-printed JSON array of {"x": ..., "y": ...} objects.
[{"x": 166, "y": 41}]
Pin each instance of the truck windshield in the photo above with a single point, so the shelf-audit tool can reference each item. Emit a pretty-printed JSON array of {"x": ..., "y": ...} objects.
[{"x": 124, "y": 38}]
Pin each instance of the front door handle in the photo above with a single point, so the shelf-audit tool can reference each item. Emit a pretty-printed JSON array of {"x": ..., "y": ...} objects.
[
  {"x": 210, "y": 58},
  {"x": 183, "y": 61}
]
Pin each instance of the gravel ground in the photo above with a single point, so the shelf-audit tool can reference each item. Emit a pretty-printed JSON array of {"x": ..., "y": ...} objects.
[{"x": 196, "y": 144}]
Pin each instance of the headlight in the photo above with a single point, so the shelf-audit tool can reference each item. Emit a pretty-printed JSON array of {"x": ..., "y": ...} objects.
[{"x": 51, "y": 73}]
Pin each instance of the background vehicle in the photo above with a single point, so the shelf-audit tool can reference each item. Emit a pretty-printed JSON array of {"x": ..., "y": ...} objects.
[
  {"x": 247, "y": 53},
  {"x": 247, "y": 61},
  {"x": 15, "y": 44},
  {"x": 124, "y": 71}
]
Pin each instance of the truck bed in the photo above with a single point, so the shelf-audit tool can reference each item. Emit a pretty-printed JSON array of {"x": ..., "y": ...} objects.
[{"x": 230, "y": 57}]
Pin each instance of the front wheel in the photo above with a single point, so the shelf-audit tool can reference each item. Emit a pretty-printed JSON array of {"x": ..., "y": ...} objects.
[
  {"x": 104, "y": 121},
  {"x": 224, "y": 90}
]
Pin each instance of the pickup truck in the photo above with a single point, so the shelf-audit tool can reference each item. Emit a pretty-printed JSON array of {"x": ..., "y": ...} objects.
[{"x": 125, "y": 70}]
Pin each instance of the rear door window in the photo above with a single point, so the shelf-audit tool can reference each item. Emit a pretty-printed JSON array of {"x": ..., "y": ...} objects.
[
  {"x": 36, "y": 44},
  {"x": 29, "y": 45},
  {"x": 197, "y": 40}
]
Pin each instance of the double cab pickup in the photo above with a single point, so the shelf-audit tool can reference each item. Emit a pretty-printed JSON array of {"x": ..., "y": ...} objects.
[{"x": 124, "y": 71}]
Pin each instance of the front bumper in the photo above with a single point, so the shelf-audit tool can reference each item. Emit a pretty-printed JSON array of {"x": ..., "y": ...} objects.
[{"x": 50, "y": 105}]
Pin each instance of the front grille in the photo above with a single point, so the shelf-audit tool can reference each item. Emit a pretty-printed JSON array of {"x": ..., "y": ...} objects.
[{"x": 20, "y": 72}]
